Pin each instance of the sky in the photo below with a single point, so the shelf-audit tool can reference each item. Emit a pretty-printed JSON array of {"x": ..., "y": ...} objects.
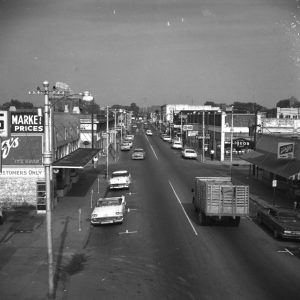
[{"x": 152, "y": 52}]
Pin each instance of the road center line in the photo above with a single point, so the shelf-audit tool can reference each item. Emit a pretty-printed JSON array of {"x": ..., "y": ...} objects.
[
  {"x": 182, "y": 208},
  {"x": 152, "y": 148}
]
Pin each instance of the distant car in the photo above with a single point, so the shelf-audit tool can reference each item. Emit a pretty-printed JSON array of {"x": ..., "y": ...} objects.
[
  {"x": 120, "y": 180},
  {"x": 125, "y": 146},
  {"x": 130, "y": 137},
  {"x": 149, "y": 132},
  {"x": 284, "y": 223},
  {"x": 138, "y": 153},
  {"x": 177, "y": 145},
  {"x": 109, "y": 210},
  {"x": 167, "y": 138},
  {"x": 129, "y": 141},
  {"x": 189, "y": 153}
]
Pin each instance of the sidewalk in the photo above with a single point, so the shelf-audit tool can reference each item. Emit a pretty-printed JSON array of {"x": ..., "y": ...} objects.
[{"x": 23, "y": 243}]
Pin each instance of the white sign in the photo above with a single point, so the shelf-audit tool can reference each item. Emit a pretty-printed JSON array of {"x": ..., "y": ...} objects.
[
  {"x": 23, "y": 172},
  {"x": 3, "y": 124},
  {"x": 286, "y": 150},
  {"x": 187, "y": 127}
]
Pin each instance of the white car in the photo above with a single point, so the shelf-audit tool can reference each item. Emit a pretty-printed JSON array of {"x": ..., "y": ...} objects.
[
  {"x": 125, "y": 146},
  {"x": 167, "y": 138},
  {"x": 130, "y": 137},
  {"x": 129, "y": 141},
  {"x": 189, "y": 153},
  {"x": 138, "y": 153},
  {"x": 120, "y": 180},
  {"x": 109, "y": 210},
  {"x": 149, "y": 132},
  {"x": 177, "y": 145}
]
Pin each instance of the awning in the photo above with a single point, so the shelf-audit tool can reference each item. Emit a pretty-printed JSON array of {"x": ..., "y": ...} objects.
[
  {"x": 287, "y": 168},
  {"x": 77, "y": 159}
]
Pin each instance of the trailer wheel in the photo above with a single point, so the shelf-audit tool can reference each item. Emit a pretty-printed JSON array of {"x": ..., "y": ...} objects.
[
  {"x": 236, "y": 221},
  {"x": 202, "y": 219}
]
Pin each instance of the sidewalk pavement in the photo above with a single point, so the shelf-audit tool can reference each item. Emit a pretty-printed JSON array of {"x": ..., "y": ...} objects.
[
  {"x": 23, "y": 241},
  {"x": 23, "y": 244}
]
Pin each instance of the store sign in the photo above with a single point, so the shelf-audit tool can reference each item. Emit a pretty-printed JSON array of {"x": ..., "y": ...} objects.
[
  {"x": 286, "y": 150},
  {"x": 187, "y": 127},
  {"x": 3, "y": 124},
  {"x": 26, "y": 123},
  {"x": 22, "y": 150},
  {"x": 241, "y": 143},
  {"x": 87, "y": 127},
  {"x": 23, "y": 172}
]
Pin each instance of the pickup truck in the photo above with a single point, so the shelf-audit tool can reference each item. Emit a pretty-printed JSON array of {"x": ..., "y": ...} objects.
[
  {"x": 120, "y": 180},
  {"x": 217, "y": 198},
  {"x": 109, "y": 210}
]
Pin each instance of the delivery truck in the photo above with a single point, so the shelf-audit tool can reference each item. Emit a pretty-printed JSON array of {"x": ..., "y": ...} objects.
[{"x": 217, "y": 198}]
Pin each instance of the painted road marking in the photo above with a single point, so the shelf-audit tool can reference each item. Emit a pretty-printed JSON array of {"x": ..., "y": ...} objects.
[
  {"x": 286, "y": 251},
  {"x": 127, "y": 232},
  {"x": 183, "y": 208},
  {"x": 152, "y": 148}
]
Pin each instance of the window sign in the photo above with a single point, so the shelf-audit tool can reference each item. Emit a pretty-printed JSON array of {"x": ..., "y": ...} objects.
[{"x": 286, "y": 150}]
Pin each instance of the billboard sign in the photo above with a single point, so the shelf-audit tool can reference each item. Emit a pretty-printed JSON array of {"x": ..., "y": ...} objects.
[
  {"x": 286, "y": 150},
  {"x": 26, "y": 123},
  {"x": 22, "y": 150}
]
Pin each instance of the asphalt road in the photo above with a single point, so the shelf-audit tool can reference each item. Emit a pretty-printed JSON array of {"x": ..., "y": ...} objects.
[{"x": 161, "y": 252}]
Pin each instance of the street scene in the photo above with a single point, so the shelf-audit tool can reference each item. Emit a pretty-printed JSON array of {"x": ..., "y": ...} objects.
[{"x": 149, "y": 149}]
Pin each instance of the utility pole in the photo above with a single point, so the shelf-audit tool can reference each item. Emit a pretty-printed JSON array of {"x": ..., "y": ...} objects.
[
  {"x": 231, "y": 140},
  {"x": 47, "y": 159},
  {"x": 107, "y": 141},
  {"x": 203, "y": 136}
]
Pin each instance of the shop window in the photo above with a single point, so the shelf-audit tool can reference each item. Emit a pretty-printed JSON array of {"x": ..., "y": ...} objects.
[{"x": 41, "y": 195}]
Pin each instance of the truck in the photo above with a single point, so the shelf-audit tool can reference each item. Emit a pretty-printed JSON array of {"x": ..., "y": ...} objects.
[
  {"x": 109, "y": 210},
  {"x": 217, "y": 198}
]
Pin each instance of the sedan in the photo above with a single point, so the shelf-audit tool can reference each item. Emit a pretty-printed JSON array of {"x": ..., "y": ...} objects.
[
  {"x": 149, "y": 132},
  {"x": 167, "y": 138},
  {"x": 284, "y": 223},
  {"x": 189, "y": 153},
  {"x": 125, "y": 146},
  {"x": 177, "y": 145},
  {"x": 138, "y": 153}
]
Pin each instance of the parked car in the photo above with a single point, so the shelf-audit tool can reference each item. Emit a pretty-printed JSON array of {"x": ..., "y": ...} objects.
[
  {"x": 138, "y": 153},
  {"x": 120, "y": 180},
  {"x": 149, "y": 132},
  {"x": 109, "y": 210},
  {"x": 284, "y": 223},
  {"x": 189, "y": 153},
  {"x": 125, "y": 146},
  {"x": 130, "y": 137},
  {"x": 167, "y": 138},
  {"x": 129, "y": 141},
  {"x": 177, "y": 145}
]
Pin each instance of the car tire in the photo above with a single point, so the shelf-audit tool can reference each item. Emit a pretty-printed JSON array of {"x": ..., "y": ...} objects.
[
  {"x": 202, "y": 219},
  {"x": 276, "y": 234},
  {"x": 259, "y": 219}
]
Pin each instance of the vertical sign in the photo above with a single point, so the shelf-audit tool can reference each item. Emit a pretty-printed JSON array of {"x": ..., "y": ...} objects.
[{"x": 3, "y": 132}]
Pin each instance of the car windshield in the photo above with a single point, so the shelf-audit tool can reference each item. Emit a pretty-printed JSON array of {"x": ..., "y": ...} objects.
[
  {"x": 120, "y": 174},
  {"x": 189, "y": 151},
  {"x": 138, "y": 150},
  {"x": 110, "y": 202}
]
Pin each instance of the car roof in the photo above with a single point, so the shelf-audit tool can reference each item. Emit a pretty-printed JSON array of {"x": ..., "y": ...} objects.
[
  {"x": 138, "y": 149},
  {"x": 120, "y": 172}
]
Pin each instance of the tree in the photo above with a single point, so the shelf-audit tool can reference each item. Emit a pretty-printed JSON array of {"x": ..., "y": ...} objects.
[
  {"x": 17, "y": 104},
  {"x": 288, "y": 103}
]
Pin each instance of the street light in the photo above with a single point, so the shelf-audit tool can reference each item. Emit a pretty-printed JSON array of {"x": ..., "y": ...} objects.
[{"x": 47, "y": 161}]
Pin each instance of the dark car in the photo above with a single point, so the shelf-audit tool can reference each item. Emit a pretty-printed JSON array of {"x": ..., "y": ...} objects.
[{"x": 284, "y": 223}]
